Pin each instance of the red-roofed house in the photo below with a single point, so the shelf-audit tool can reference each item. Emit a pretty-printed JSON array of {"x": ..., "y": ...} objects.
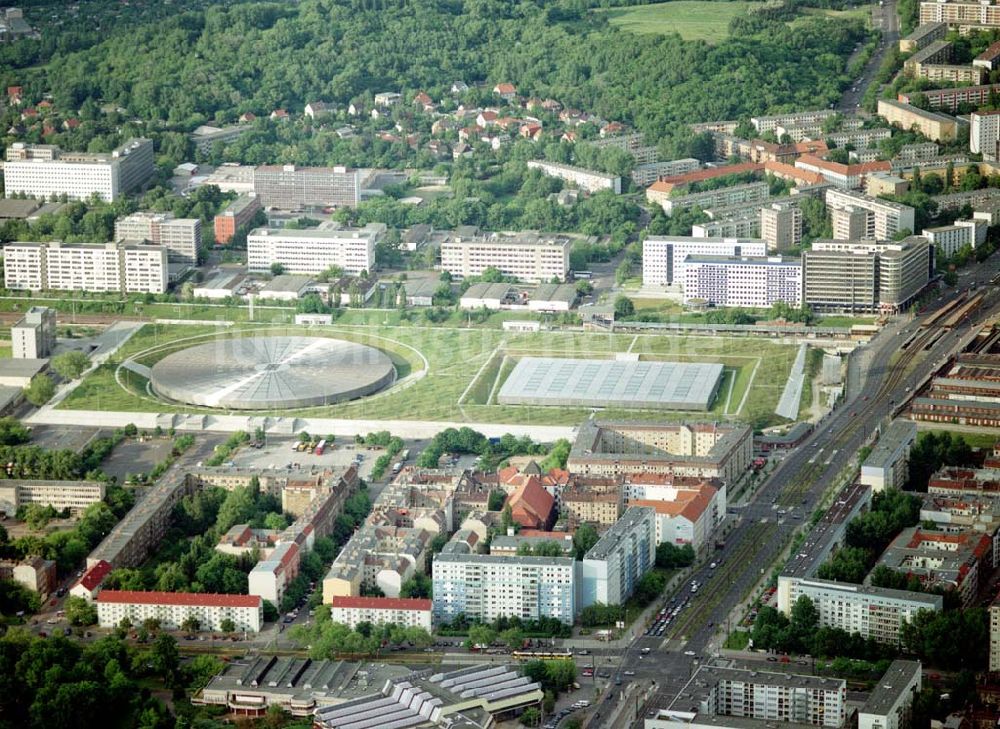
[
  {"x": 848, "y": 177},
  {"x": 531, "y": 505},
  {"x": 247, "y": 117},
  {"x": 279, "y": 114},
  {"x": 669, "y": 184},
  {"x": 425, "y": 102},
  {"x": 687, "y": 520},
  {"x": 90, "y": 584},
  {"x": 531, "y": 131},
  {"x": 505, "y": 91},
  {"x": 487, "y": 117},
  {"x": 793, "y": 174},
  {"x": 687, "y": 509},
  {"x": 408, "y": 612},
  {"x": 612, "y": 128},
  {"x": 14, "y": 93},
  {"x": 172, "y": 609}
]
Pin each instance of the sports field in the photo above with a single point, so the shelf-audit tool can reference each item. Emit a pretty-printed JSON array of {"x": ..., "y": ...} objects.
[
  {"x": 454, "y": 373},
  {"x": 691, "y": 19}
]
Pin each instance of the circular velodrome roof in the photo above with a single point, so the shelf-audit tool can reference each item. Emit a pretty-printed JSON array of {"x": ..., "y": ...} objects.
[{"x": 260, "y": 373}]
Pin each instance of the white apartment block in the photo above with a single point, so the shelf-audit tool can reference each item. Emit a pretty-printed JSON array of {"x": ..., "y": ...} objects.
[
  {"x": 109, "y": 267},
  {"x": 727, "y": 228},
  {"x": 739, "y": 697},
  {"x": 781, "y": 226},
  {"x": 73, "y": 495},
  {"x": 984, "y": 134},
  {"x": 44, "y": 170},
  {"x": 180, "y": 236},
  {"x": 887, "y": 466},
  {"x": 406, "y": 612},
  {"x": 881, "y": 219},
  {"x": 613, "y": 567},
  {"x": 313, "y": 251},
  {"x": 527, "y": 257},
  {"x": 173, "y": 608},
  {"x": 650, "y": 172},
  {"x": 950, "y": 239},
  {"x": 589, "y": 180},
  {"x": 771, "y": 123},
  {"x": 890, "y": 704},
  {"x": 145, "y": 269},
  {"x": 34, "y": 336},
  {"x": 485, "y": 587},
  {"x": 721, "y": 197},
  {"x": 747, "y": 281},
  {"x": 269, "y": 577},
  {"x": 995, "y": 636},
  {"x": 663, "y": 256},
  {"x": 874, "y": 612}
]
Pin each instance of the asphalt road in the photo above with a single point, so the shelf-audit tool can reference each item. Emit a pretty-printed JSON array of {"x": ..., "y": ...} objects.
[
  {"x": 885, "y": 17},
  {"x": 879, "y": 382}
]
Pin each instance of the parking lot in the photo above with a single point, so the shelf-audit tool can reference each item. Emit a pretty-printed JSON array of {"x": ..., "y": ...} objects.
[
  {"x": 58, "y": 437},
  {"x": 282, "y": 453},
  {"x": 132, "y": 456}
]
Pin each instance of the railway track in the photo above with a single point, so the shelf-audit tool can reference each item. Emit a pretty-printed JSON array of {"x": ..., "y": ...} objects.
[{"x": 792, "y": 495}]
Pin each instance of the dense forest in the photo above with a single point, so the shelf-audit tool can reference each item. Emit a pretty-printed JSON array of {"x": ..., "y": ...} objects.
[{"x": 219, "y": 62}]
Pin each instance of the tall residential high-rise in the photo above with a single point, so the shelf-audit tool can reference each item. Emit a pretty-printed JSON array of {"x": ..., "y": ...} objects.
[
  {"x": 612, "y": 568},
  {"x": 781, "y": 226},
  {"x": 34, "y": 336},
  {"x": 882, "y": 219},
  {"x": 984, "y": 134},
  {"x": 485, "y": 587},
  {"x": 43, "y": 170},
  {"x": 180, "y": 236}
]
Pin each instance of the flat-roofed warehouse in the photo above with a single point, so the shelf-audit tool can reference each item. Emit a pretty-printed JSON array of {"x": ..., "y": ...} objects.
[{"x": 612, "y": 383}]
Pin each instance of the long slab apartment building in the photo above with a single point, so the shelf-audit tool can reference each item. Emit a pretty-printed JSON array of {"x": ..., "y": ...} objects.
[
  {"x": 962, "y": 15},
  {"x": 529, "y": 257},
  {"x": 313, "y": 251},
  {"x": 43, "y": 170},
  {"x": 290, "y": 187},
  {"x": 111, "y": 267}
]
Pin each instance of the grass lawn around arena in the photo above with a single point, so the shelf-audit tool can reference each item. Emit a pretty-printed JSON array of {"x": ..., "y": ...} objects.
[
  {"x": 452, "y": 373},
  {"x": 863, "y": 13},
  {"x": 691, "y": 19}
]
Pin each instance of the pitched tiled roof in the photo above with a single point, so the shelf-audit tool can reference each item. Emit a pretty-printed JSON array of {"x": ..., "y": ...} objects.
[
  {"x": 531, "y": 498},
  {"x": 188, "y": 599},
  {"x": 95, "y": 575}
]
